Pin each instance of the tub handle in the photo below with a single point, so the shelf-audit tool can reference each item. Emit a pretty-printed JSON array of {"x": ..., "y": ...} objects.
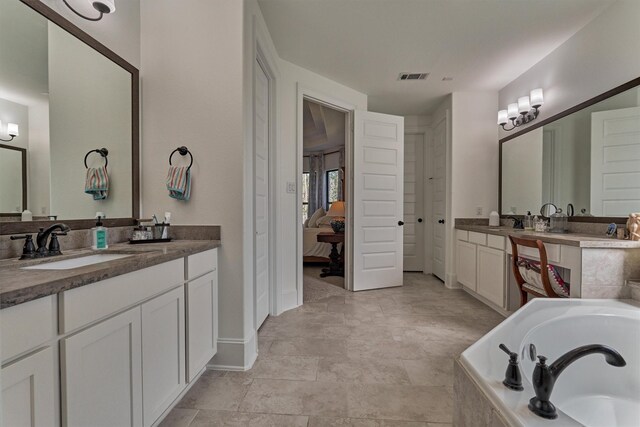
[{"x": 512, "y": 376}]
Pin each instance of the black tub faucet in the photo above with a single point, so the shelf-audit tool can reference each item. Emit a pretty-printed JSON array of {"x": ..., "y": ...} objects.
[{"x": 545, "y": 376}]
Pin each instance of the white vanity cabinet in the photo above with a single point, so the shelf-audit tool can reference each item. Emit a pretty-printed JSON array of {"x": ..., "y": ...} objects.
[
  {"x": 101, "y": 373},
  {"x": 202, "y": 303},
  {"x": 491, "y": 275},
  {"x": 29, "y": 373},
  {"x": 163, "y": 352},
  {"x": 481, "y": 266},
  {"x": 29, "y": 391},
  {"x": 118, "y": 352}
]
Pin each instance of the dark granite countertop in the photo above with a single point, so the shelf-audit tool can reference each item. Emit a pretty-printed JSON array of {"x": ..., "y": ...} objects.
[
  {"x": 18, "y": 286},
  {"x": 571, "y": 239}
]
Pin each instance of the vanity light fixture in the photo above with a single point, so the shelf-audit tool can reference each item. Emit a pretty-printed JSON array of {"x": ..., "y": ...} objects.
[
  {"x": 102, "y": 6},
  {"x": 12, "y": 130},
  {"x": 524, "y": 111}
]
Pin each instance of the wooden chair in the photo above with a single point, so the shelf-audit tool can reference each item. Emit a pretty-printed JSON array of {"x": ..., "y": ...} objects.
[{"x": 539, "y": 283}]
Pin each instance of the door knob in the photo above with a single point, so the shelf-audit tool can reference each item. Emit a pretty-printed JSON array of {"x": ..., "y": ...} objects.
[
  {"x": 419, "y": 219},
  {"x": 401, "y": 223},
  {"x": 441, "y": 221}
]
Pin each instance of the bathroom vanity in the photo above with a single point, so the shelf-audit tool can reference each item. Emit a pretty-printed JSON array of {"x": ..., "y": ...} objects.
[
  {"x": 116, "y": 342},
  {"x": 597, "y": 266}
]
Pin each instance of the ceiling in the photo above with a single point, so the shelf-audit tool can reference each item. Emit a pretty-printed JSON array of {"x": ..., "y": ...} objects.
[
  {"x": 365, "y": 44},
  {"x": 323, "y": 128}
]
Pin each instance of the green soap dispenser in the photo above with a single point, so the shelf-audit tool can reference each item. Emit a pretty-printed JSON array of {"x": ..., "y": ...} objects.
[{"x": 100, "y": 234}]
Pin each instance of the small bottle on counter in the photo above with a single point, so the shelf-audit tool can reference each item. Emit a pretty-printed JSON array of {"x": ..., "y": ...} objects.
[
  {"x": 100, "y": 234},
  {"x": 528, "y": 221}
]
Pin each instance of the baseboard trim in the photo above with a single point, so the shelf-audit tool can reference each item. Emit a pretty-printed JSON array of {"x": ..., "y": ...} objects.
[
  {"x": 235, "y": 354},
  {"x": 492, "y": 305}
]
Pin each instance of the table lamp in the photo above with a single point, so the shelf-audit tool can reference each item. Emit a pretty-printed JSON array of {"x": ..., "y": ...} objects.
[{"x": 336, "y": 211}]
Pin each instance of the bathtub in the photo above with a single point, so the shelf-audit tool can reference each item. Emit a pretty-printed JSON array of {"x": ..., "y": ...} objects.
[{"x": 589, "y": 392}]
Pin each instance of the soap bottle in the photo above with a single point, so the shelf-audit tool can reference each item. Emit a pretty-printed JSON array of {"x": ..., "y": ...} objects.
[
  {"x": 27, "y": 215},
  {"x": 528, "y": 221},
  {"x": 99, "y": 233}
]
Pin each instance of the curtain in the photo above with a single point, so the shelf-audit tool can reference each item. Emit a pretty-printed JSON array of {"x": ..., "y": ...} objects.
[
  {"x": 316, "y": 182},
  {"x": 341, "y": 174}
]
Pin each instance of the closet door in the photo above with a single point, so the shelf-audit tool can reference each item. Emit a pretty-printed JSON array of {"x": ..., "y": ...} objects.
[{"x": 378, "y": 200}]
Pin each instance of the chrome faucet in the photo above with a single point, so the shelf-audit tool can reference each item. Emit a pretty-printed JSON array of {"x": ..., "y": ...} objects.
[
  {"x": 43, "y": 237},
  {"x": 545, "y": 376}
]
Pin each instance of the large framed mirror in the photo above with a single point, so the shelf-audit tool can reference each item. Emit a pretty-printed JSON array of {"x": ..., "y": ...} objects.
[
  {"x": 69, "y": 97},
  {"x": 585, "y": 160}
]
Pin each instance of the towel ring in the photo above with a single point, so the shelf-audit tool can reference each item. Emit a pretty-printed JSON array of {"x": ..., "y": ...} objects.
[
  {"x": 183, "y": 152},
  {"x": 102, "y": 151}
]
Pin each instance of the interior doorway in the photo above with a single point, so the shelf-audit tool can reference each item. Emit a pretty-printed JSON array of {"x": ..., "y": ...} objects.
[{"x": 324, "y": 198}]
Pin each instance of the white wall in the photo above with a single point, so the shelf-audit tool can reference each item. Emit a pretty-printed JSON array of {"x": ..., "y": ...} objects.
[
  {"x": 98, "y": 115},
  {"x": 119, "y": 31},
  {"x": 192, "y": 94},
  {"x": 599, "y": 57},
  {"x": 292, "y": 77}
]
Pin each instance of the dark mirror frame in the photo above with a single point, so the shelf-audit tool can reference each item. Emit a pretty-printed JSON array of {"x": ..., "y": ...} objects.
[
  {"x": 24, "y": 175},
  {"x": 76, "y": 224},
  {"x": 608, "y": 94}
]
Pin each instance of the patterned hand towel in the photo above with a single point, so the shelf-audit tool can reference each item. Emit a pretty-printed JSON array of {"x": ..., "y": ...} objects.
[
  {"x": 97, "y": 183},
  {"x": 179, "y": 182}
]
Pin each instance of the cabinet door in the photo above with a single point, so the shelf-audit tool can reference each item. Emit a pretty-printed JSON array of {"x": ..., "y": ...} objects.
[
  {"x": 102, "y": 378},
  {"x": 466, "y": 264},
  {"x": 163, "y": 348},
  {"x": 202, "y": 322},
  {"x": 491, "y": 275},
  {"x": 29, "y": 391}
]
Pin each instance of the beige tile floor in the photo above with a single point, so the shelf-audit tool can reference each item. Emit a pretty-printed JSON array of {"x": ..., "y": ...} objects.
[{"x": 369, "y": 359}]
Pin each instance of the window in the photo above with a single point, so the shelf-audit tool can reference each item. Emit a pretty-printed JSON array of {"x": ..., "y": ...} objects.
[
  {"x": 333, "y": 184},
  {"x": 305, "y": 196}
]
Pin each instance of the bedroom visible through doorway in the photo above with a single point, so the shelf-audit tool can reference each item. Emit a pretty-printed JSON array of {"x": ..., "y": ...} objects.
[{"x": 324, "y": 198}]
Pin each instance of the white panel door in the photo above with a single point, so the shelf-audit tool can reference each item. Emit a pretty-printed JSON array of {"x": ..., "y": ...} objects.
[
  {"x": 377, "y": 200},
  {"x": 102, "y": 378},
  {"x": 261, "y": 189},
  {"x": 163, "y": 353},
  {"x": 29, "y": 391},
  {"x": 202, "y": 322},
  {"x": 413, "y": 202},
  {"x": 615, "y": 162},
  {"x": 439, "y": 198}
]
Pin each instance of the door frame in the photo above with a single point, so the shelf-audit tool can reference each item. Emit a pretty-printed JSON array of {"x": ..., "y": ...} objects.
[
  {"x": 348, "y": 108},
  {"x": 261, "y": 60}
]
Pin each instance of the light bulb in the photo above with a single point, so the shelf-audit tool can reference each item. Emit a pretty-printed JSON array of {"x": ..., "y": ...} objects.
[
  {"x": 502, "y": 117},
  {"x": 523, "y": 105},
  {"x": 537, "y": 98},
  {"x": 12, "y": 129}
]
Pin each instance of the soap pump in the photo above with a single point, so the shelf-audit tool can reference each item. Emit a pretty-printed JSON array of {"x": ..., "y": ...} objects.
[
  {"x": 528, "y": 221},
  {"x": 100, "y": 234}
]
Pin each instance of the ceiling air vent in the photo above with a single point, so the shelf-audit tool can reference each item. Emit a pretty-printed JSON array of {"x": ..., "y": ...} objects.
[{"x": 412, "y": 76}]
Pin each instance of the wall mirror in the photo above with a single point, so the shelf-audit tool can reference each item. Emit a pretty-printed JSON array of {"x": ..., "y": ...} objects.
[
  {"x": 586, "y": 159},
  {"x": 68, "y": 95}
]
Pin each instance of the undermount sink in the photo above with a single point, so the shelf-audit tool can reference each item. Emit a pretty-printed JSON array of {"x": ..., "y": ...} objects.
[{"x": 69, "y": 264}]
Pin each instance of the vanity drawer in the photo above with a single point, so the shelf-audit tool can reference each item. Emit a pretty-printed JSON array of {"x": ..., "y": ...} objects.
[
  {"x": 462, "y": 235},
  {"x": 81, "y": 306},
  {"x": 478, "y": 238},
  {"x": 553, "y": 252},
  {"x": 497, "y": 242},
  {"x": 201, "y": 263},
  {"x": 26, "y": 326}
]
